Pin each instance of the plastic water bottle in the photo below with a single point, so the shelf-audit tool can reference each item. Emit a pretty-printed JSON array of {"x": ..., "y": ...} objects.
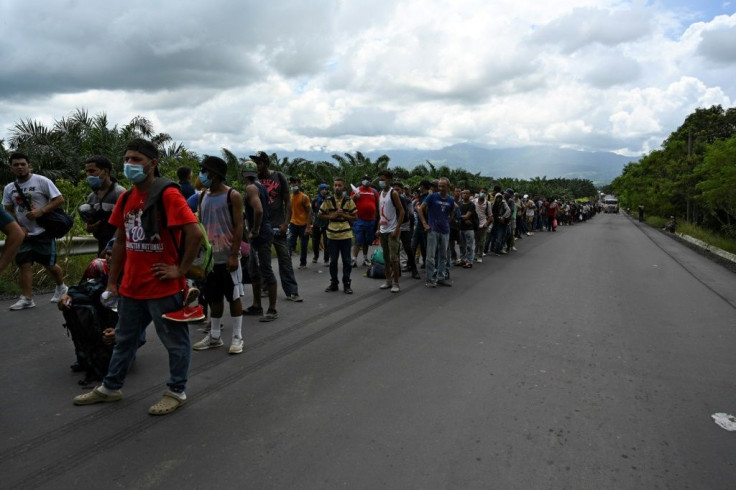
[{"x": 109, "y": 300}]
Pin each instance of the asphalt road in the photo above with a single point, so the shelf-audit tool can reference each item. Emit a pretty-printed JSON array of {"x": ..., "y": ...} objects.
[{"x": 593, "y": 357}]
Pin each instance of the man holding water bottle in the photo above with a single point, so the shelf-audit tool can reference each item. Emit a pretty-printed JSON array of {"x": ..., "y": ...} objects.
[{"x": 153, "y": 275}]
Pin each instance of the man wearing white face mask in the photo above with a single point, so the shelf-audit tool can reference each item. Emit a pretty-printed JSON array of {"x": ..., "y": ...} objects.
[
  {"x": 221, "y": 211},
  {"x": 101, "y": 201},
  {"x": 153, "y": 224}
]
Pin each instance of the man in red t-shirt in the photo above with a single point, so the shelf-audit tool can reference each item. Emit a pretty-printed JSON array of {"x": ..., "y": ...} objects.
[
  {"x": 151, "y": 220},
  {"x": 366, "y": 200}
]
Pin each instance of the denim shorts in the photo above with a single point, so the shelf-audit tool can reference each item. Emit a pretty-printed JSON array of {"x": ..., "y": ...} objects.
[{"x": 365, "y": 231}]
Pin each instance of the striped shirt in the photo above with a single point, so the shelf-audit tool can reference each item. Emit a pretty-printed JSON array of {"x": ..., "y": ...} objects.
[{"x": 338, "y": 229}]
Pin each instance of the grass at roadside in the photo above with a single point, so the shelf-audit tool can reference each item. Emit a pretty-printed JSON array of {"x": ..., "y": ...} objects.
[
  {"x": 73, "y": 267},
  {"x": 696, "y": 232}
]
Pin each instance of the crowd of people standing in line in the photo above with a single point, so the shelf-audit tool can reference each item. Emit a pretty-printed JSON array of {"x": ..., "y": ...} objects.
[{"x": 151, "y": 235}]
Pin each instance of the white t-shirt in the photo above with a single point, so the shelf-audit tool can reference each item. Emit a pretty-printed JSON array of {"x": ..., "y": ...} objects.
[
  {"x": 39, "y": 191},
  {"x": 483, "y": 210}
]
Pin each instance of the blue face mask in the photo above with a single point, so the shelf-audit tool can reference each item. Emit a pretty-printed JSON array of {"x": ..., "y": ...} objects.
[
  {"x": 94, "y": 182},
  {"x": 134, "y": 173},
  {"x": 381, "y": 184},
  {"x": 205, "y": 180}
]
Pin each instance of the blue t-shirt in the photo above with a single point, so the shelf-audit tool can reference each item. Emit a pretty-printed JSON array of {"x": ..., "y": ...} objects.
[
  {"x": 193, "y": 201},
  {"x": 439, "y": 211}
]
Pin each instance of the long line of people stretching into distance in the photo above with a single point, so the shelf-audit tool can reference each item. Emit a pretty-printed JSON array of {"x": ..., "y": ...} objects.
[{"x": 149, "y": 237}]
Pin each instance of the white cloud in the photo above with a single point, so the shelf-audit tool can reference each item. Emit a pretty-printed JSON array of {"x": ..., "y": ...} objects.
[{"x": 359, "y": 75}]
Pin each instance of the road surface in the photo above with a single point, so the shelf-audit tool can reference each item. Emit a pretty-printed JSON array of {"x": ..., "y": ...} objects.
[{"x": 594, "y": 357}]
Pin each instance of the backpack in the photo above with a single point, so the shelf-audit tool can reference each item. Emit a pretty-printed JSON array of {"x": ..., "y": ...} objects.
[
  {"x": 85, "y": 321},
  {"x": 203, "y": 262},
  {"x": 408, "y": 216},
  {"x": 377, "y": 270}
]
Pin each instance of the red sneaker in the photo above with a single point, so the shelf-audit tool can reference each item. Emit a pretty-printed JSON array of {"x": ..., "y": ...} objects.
[{"x": 186, "y": 314}]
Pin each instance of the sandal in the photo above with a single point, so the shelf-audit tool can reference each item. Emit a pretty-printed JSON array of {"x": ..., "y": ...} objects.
[
  {"x": 167, "y": 404},
  {"x": 253, "y": 311}
]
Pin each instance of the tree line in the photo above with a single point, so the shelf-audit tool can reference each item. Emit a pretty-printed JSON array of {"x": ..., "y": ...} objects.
[
  {"x": 57, "y": 152},
  {"x": 693, "y": 175}
]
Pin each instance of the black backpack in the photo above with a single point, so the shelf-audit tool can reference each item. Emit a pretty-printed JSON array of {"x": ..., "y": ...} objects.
[
  {"x": 408, "y": 216},
  {"x": 85, "y": 322}
]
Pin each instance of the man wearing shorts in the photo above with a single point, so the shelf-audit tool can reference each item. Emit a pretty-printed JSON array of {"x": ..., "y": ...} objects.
[
  {"x": 43, "y": 197},
  {"x": 366, "y": 201},
  {"x": 219, "y": 206}
]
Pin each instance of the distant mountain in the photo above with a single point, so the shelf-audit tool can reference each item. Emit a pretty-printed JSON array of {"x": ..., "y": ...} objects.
[{"x": 523, "y": 163}]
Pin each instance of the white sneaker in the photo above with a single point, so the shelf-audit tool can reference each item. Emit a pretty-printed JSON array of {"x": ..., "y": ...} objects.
[
  {"x": 385, "y": 285},
  {"x": 208, "y": 342},
  {"x": 479, "y": 260},
  {"x": 237, "y": 346},
  {"x": 23, "y": 303},
  {"x": 395, "y": 288},
  {"x": 60, "y": 291},
  {"x": 513, "y": 248}
]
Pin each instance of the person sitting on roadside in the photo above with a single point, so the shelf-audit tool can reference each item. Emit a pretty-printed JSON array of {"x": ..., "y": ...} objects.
[{"x": 671, "y": 225}]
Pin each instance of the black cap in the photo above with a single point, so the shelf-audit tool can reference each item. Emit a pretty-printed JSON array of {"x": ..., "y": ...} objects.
[
  {"x": 261, "y": 157},
  {"x": 216, "y": 165}
]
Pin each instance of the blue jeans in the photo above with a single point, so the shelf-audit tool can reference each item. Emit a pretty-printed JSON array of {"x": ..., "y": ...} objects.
[
  {"x": 437, "y": 245},
  {"x": 286, "y": 270},
  {"x": 134, "y": 315},
  {"x": 467, "y": 246},
  {"x": 298, "y": 231},
  {"x": 340, "y": 249}
]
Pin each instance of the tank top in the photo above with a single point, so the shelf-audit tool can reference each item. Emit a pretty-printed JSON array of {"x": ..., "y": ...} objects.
[
  {"x": 388, "y": 220},
  {"x": 217, "y": 221},
  {"x": 265, "y": 235}
]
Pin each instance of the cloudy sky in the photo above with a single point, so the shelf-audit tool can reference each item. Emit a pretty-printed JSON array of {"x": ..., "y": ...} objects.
[{"x": 347, "y": 75}]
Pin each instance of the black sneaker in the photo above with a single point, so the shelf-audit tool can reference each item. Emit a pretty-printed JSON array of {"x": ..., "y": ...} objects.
[
  {"x": 347, "y": 289},
  {"x": 332, "y": 287},
  {"x": 253, "y": 311}
]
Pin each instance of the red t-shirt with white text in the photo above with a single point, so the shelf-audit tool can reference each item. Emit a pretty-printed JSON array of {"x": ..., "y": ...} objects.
[{"x": 142, "y": 251}]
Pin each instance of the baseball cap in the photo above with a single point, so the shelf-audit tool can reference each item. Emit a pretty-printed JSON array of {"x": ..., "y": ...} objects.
[{"x": 249, "y": 169}]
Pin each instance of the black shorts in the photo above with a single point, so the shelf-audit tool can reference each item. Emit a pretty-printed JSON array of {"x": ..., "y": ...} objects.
[
  {"x": 219, "y": 283},
  {"x": 39, "y": 249}
]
